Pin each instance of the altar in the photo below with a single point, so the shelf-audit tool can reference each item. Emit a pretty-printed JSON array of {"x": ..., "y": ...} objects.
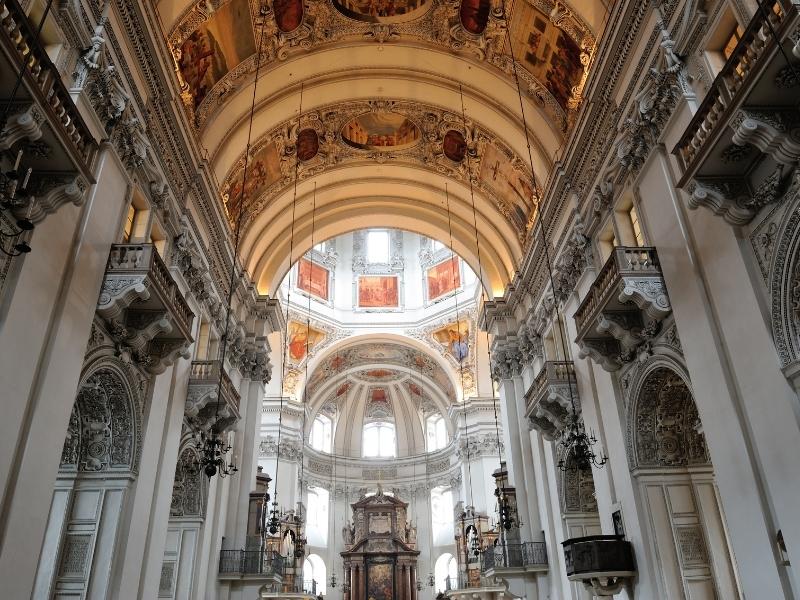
[{"x": 380, "y": 556}]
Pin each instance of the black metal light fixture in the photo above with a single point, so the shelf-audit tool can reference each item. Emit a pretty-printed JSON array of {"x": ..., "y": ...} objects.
[
  {"x": 505, "y": 511},
  {"x": 431, "y": 580},
  {"x": 333, "y": 582},
  {"x": 214, "y": 455},
  {"x": 577, "y": 445}
]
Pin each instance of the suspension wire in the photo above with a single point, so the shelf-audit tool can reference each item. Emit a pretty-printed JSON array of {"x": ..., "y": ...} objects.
[
  {"x": 286, "y": 332},
  {"x": 308, "y": 347},
  {"x": 480, "y": 280},
  {"x": 543, "y": 235},
  {"x": 461, "y": 358},
  {"x": 239, "y": 219}
]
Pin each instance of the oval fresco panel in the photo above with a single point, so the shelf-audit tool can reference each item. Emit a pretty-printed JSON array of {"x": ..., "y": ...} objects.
[
  {"x": 307, "y": 144},
  {"x": 475, "y": 15},
  {"x": 383, "y": 11},
  {"x": 454, "y": 145},
  {"x": 381, "y": 131},
  {"x": 288, "y": 14}
]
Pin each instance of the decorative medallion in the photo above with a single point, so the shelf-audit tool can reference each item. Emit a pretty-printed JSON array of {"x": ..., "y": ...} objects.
[{"x": 381, "y": 131}]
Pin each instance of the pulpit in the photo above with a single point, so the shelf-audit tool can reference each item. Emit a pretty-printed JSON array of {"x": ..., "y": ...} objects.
[{"x": 380, "y": 556}]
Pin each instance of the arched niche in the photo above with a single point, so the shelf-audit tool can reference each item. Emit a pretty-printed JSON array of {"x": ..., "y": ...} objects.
[
  {"x": 103, "y": 434},
  {"x": 190, "y": 486},
  {"x": 575, "y": 488},
  {"x": 664, "y": 428},
  {"x": 784, "y": 290}
]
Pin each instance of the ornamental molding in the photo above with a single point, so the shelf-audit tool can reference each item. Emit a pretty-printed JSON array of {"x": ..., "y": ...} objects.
[
  {"x": 433, "y": 122},
  {"x": 290, "y": 450},
  {"x": 478, "y": 446},
  {"x": 323, "y": 25}
]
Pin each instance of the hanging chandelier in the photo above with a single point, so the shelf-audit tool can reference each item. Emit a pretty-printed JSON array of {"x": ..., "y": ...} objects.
[
  {"x": 577, "y": 448},
  {"x": 214, "y": 455}
]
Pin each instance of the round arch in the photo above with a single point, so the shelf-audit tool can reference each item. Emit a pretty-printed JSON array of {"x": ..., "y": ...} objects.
[{"x": 664, "y": 428}]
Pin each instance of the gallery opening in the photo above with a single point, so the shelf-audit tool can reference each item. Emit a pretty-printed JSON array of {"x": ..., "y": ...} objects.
[{"x": 400, "y": 299}]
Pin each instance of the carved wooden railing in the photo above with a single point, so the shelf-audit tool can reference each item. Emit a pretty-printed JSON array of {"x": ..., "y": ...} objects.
[
  {"x": 730, "y": 86},
  {"x": 23, "y": 47},
  {"x": 143, "y": 259},
  {"x": 623, "y": 261},
  {"x": 208, "y": 371}
]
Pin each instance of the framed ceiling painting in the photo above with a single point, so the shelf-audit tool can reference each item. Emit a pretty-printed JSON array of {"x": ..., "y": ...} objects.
[
  {"x": 443, "y": 279},
  {"x": 378, "y": 292},
  {"x": 313, "y": 279}
]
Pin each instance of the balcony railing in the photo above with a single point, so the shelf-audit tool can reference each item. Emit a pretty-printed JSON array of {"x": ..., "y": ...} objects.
[
  {"x": 143, "y": 260},
  {"x": 205, "y": 372},
  {"x": 550, "y": 397},
  {"x": 22, "y": 46},
  {"x": 636, "y": 262},
  {"x": 730, "y": 85},
  {"x": 462, "y": 582},
  {"x": 251, "y": 562},
  {"x": 524, "y": 555}
]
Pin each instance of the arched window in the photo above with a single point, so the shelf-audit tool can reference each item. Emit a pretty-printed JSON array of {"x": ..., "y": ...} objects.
[
  {"x": 317, "y": 516},
  {"x": 446, "y": 568},
  {"x": 442, "y": 515},
  {"x": 321, "y": 434},
  {"x": 378, "y": 247},
  {"x": 379, "y": 440},
  {"x": 436, "y": 432},
  {"x": 314, "y": 575}
]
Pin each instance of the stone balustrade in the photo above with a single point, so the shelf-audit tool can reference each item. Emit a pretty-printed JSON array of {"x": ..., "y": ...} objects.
[
  {"x": 21, "y": 47},
  {"x": 748, "y": 116},
  {"x": 549, "y": 399},
  {"x": 211, "y": 397},
  {"x": 143, "y": 308},
  {"x": 624, "y": 307}
]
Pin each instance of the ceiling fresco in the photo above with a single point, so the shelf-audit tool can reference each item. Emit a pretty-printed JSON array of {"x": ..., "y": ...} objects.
[
  {"x": 214, "y": 42},
  {"x": 441, "y": 137}
]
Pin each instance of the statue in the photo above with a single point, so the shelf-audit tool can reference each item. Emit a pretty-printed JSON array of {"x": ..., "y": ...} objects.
[{"x": 348, "y": 533}]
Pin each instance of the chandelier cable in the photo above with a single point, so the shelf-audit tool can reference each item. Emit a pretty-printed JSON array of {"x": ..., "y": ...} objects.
[
  {"x": 274, "y": 520},
  {"x": 213, "y": 446},
  {"x": 576, "y": 438}
]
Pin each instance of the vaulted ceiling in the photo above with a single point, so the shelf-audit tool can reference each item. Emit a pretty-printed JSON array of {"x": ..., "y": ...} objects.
[{"x": 376, "y": 112}]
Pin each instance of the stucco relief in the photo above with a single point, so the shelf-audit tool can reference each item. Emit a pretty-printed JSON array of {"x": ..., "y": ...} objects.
[
  {"x": 664, "y": 428},
  {"x": 103, "y": 431},
  {"x": 493, "y": 168},
  {"x": 473, "y": 28},
  {"x": 188, "y": 491}
]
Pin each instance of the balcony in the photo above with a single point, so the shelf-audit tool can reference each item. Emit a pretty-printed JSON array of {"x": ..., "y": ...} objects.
[
  {"x": 144, "y": 311},
  {"x": 602, "y": 562},
  {"x": 548, "y": 401},
  {"x": 43, "y": 114},
  {"x": 478, "y": 588},
  {"x": 748, "y": 116},
  {"x": 515, "y": 558},
  {"x": 203, "y": 402},
  {"x": 252, "y": 564},
  {"x": 623, "y": 309}
]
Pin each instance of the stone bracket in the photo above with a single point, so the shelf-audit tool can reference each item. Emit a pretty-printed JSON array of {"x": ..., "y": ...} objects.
[
  {"x": 727, "y": 199},
  {"x": 23, "y": 125},
  {"x": 775, "y": 133}
]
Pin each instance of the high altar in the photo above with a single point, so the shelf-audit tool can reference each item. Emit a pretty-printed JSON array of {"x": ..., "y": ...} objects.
[{"x": 380, "y": 557}]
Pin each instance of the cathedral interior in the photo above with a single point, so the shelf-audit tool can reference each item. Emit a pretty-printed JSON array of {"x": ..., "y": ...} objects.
[{"x": 400, "y": 299}]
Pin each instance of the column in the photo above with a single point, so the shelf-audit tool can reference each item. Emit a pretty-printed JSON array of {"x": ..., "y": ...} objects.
[
  {"x": 42, "y": 344},
  {"x": 403, "y": 581},
  {"x": 414, "y": 582}
]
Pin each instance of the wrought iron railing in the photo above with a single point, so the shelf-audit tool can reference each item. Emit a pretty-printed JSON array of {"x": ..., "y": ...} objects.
[
  {"x": 251, "y": 562},
  {"x": 519, "y": 555}
]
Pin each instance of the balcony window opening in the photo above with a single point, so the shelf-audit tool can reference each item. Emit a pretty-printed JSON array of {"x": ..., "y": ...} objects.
[
  {"x": 378, "y": 247},
  {"x": 379, "y": 440},
  {"x": 158, "y": 239},
  {"x": 445, "y": 572},
  {"x": 203, "y": 334},
  {"x": 317, "y": 516},
  {"x": 315, "y": 575},
  {"x": 322, "y": 434},
  {"x": 636, "y": 226},
  {"x": 436, "y": 432},
  {"x": 130, "y": 218},
  {"x": 732, "y": 40}
]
